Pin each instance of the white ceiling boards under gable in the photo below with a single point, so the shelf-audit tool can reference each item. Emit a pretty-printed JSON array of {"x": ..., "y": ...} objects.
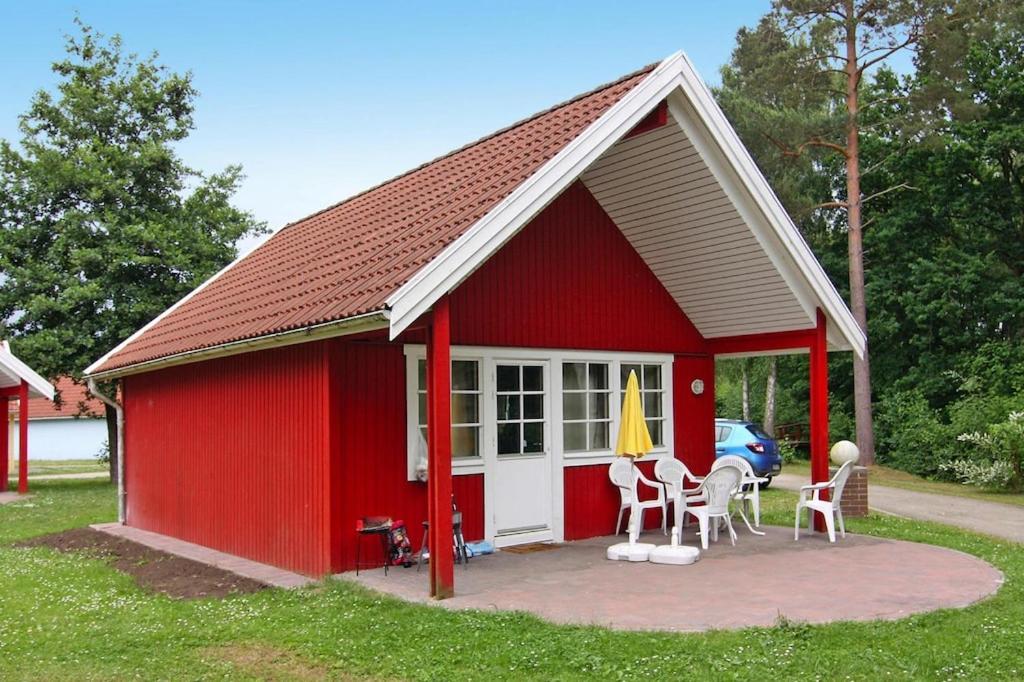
[{"x": 669, "y": 204}]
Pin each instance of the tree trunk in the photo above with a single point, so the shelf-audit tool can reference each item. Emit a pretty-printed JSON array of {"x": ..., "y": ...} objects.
[
  {"x": 769, "y": 398},
  {"x": 861, "y": 366},
  {"x": 111, "y": 416},
  {"x": 746, "y": 389}
]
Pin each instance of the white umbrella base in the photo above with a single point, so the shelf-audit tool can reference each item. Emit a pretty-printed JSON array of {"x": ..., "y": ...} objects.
[
  {"x": 677, "y": 555},
  {"x": 626, "y": 551}
]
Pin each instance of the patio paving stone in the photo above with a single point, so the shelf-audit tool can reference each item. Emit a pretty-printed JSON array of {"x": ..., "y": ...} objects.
[{"x": 752, "y": 584}]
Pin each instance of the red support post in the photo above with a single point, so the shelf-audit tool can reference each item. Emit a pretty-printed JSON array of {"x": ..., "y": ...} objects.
[
  {"x": 5, "y": 440},
  {"x": 23, "y": 439},
  {"x": 439, "y": 462},
  {"x": 819, "y": 408}
]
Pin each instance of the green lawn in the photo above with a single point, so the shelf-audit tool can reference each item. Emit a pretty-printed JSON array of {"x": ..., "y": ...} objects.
[
  {"x": 70, "y": 617},
  {"x": 894, "y": 478},
  {"x": 40, "y": 467}
]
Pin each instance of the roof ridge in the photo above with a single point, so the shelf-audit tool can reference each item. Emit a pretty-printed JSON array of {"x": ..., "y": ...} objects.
[{"x": 593, "y": 91}]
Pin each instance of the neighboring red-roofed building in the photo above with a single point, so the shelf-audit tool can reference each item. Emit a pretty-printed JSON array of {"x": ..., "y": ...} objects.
[
  {"x": 298, "y": 390},
  {"x": 69, "y": 427}
]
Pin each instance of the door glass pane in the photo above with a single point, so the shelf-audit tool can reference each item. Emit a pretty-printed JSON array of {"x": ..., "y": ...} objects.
[
  {"x": 464, "y": 375},
  {"x": 465, "y": 441},
  {"x": 652, "y": 376},
  {"x": 575, "y": 436},
  {"x": 598, "y": 406},
  {"x": 574, "y": 405},
  {"x": 508, "y": 407},
  {"x": 464, "y": 408},
  {"x": 574, "y": 376},
  {"x": 533, "y": 437},
  {"x": 508, "y": 439},
  {"x": 508, "y": 377},
  {"x": 599, "y": 436},
  {"x": 533, "y": 407},
  {"x": 533, "y": 378},
  {"x": 598, "y": 377}
]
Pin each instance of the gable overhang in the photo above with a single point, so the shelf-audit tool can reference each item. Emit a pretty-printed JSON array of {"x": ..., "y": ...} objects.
[
  {"x": 13, "y": 372},
  {"x": 725, "y": 161}
]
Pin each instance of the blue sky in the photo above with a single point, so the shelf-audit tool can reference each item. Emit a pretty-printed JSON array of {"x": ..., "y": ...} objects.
[{"x": 318, "y": 100}]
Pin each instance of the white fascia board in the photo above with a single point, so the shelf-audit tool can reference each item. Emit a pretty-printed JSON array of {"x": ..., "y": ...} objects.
[
  {"x": 91, "y": 369},
  {"x": 702, "y": 102},
  {"x": 38, "y": 386},
  {"x": 357, "y": 324},
  {"x": 463, "y": 256}
]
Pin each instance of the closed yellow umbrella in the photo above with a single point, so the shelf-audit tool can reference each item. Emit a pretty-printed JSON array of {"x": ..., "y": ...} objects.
[{"x": 634, "y": 438}]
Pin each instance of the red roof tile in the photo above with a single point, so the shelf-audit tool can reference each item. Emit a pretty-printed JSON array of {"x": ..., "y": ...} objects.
[
  {"x": 74, "y": 403},
  {"x": 348, "y": 259}
]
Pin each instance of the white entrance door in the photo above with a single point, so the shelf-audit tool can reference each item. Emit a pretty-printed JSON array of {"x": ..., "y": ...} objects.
[{"x": 520, "y": 468}]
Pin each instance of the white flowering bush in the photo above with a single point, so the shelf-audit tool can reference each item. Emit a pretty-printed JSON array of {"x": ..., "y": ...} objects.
[{"x": 999, "y": 461}]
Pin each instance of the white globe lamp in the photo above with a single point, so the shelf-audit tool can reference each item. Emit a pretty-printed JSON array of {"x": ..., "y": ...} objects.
[{"x": 844, "y": 451}]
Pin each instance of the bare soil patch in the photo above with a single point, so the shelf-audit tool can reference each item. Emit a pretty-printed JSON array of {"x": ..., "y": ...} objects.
[
  {"x": 266, "y": 662},
  {"x": 152, "y": 569}
]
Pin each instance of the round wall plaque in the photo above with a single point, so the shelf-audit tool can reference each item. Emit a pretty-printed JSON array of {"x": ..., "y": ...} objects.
[{"x": 697, "y": 386}]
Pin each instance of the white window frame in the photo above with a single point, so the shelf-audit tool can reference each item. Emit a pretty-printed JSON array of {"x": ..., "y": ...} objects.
[
  {"x": 488, "y": 356},
  {"x": 587, "y": 392},
  {"x": 460, "y": 465}
]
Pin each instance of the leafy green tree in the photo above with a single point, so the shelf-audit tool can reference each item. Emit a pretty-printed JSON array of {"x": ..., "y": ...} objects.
[
  {"x": 102, "y": 225},
  {"x": 797, "y": 78}
]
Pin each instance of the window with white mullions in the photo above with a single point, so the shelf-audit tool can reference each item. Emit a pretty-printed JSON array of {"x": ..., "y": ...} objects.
[
  {"x": 465, "y": 402},
  {"x": 520, "y": 409},
  {"x": 652, "y": 394},
  {"x": 586, "y": 418}
]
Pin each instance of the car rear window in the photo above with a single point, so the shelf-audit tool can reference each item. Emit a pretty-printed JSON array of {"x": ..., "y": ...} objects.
[{"x": 758, "y": 431}]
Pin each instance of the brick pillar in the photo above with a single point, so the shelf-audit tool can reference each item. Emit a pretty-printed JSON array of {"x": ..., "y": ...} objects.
[{"x": 855, "y": 494}]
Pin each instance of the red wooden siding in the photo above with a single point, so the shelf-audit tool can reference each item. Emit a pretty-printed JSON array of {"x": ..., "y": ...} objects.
[
  {"x": 570, "y": 279},
  {"x": 372, "y": 446},
  {"x": 232, "y": 454},
  {"x": 592, "y": 502},
  {"x": 694, "y": 415}
]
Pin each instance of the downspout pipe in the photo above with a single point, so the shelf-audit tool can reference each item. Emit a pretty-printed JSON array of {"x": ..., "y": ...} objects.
[{"x": 94, "y": 389}]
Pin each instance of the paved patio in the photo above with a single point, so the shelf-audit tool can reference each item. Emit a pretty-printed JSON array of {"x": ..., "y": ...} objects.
[{"x": 754, "y": 583}]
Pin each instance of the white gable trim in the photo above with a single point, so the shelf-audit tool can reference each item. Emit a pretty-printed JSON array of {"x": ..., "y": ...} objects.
[
  {"x": 676, "y": 74},
  {"x": 15, "y": 368},
  {"x": 463, "y": 256}
]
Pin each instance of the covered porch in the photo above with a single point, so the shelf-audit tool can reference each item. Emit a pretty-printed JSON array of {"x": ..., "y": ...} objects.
[
  {"x": 697, "y": 229},
  {"x": 18, "y": 382}
]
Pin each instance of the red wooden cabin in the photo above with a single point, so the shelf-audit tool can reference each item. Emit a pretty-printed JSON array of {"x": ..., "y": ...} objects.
[{"x": 482, "y": 309}]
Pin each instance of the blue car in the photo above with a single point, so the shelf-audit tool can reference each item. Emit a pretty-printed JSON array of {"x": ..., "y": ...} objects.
[{"x": 749, "y": 441}]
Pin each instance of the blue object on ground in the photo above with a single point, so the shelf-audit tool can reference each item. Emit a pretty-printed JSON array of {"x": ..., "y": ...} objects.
[{"x": 480, "y": 548}]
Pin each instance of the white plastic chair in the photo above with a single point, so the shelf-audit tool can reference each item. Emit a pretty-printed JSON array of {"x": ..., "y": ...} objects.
[
  {"x": 674, "y": 475},
  {"x": 829, "y": 508},
  {"x": 749, "y": 492},
  {"x": 718, "y": 487},
  {"x": 625, "y": 476}
]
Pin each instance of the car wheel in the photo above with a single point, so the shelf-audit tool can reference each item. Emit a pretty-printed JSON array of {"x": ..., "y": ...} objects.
[{"x": 766, "y": 483}]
